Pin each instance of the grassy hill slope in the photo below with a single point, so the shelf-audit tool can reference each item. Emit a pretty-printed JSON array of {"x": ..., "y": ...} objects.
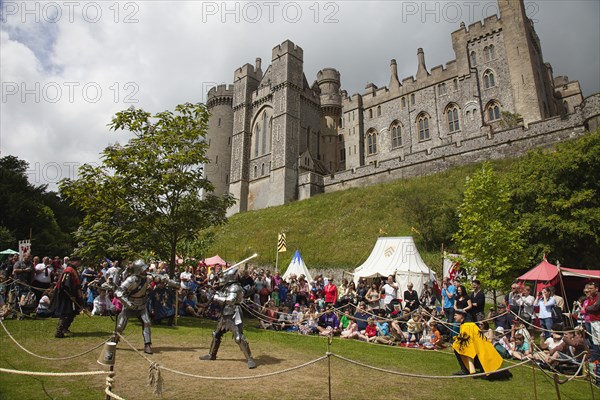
[{"x": 338, "y": 230}]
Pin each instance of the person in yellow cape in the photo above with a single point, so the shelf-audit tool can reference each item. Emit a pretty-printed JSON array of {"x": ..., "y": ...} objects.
[{"x": 472, "y": 349}]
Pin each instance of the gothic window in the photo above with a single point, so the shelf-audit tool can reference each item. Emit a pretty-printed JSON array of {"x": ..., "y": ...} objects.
[
  {"x": 441, "y": 89},
  {"x": 255, "y": 171},
  {"x": 488, "y": 79},
  {"x": 371, "y": 142},
  {"x": 423, "y": 127},
  {"x": 489, "y": 52},
  {"x": 452, "y": 115},
  {"x": 473, "y": 59},
  {"x": 493, "y": 111},
  {"x": 371, "y": 113},
  {"x": 403, "y": 103},
  {"x": 379, "y": 111},
  {"x": 412, "y": 99},
  {"x": 262, "y": 169},
  {"x": 256, "y": 140},
  {"x": 396, "y": 131},
  {"x": 455, "y": 83}
]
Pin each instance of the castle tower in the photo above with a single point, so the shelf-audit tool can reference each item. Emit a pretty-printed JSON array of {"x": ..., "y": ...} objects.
[
  {"x": 328, "y": 80},
  {"x": 218, "y": 137},
  {"x": 287, "y": 80},
  {"x": 246, "y": 80},
  {"x": 527, "y": 70}
]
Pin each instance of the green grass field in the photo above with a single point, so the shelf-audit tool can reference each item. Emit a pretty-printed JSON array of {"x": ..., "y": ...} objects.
[{"x": 178, "y": 348}]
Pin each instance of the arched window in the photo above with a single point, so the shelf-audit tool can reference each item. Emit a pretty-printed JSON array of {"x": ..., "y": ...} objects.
[
  {"x": 488, "y": 79},
  {"x": 452, "y": 117},
  {"x": 441, "y": 89},
  {"x": 423, "y": 127},
  {"x": 492, "y": 51},
  {"x": 455, "y": 83},
  {"x": 486, "y": 54},
  {"x": 371, "y": 113},
  {"x": 403, "y": 103},
  {"x": 262, "y": 132},
  {"x": 493, "y": 111},
  {"x": 255, "y": 171},
  {"x": 396, "y": 132},
  {"x": 473, "y": 59},
  {"x": 262, "y": 169},
  {"x": 412, "y": 99},
  {"x": 256, "y": 140},
  {"x": 371, "y": 142},
  {"x": 379, "y": 111}
]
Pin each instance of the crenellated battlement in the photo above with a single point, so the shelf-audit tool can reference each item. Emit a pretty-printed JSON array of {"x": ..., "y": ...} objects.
[{"x": 287, "y": 47}]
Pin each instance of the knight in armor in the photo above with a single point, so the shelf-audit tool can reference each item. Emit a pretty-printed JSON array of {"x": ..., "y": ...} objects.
[
  {"x": 229, "y": 298},
  {"x": 133, "y": 293}
]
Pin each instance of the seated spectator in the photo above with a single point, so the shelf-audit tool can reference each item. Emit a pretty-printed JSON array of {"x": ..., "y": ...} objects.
[
  {"x": 102, "y": 304},
  {"x": 518, "y": 327},
  {"x": 344, "y": 320},
  {"x": 269, "y": 313},
  {"x": 414, "y": 328},
  {"x": 501, "y": 342},
  {"x": 162, "y": 304},
  {"x": 376, "y": 332},
  {"x": 503, "y": 318},
  {"x": 435, "y": 341},
  {"x": 43, "y": 308},
  {"x": 328, "y": 324},
  {"x": 361, "y": 316},
  {"x": 309, "y": 324},
  {"x": 351, "y": 332},
  {"x": 190, "y": 305},
  {"x": 549, "y": 344},
  {"x": 572, "y": 350},
  {"x": 519, "y": 348}
]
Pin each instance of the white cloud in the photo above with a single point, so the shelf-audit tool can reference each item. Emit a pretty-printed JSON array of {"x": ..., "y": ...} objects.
[{"x": 171, "y": 52}]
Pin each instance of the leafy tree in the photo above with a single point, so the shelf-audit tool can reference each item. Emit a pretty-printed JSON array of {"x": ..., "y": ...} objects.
[
  {"x": 27, "y": 207},
  {"x": 489, "y": 238},
  {"x": 558, "y": 194},
  {"x": 148, "y": 194}
]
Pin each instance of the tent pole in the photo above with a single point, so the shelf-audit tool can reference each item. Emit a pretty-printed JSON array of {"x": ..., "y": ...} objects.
[{"x": 562, "y": 286}]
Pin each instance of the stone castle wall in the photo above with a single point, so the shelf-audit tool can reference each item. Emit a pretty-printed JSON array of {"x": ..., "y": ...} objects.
[{"x": 493, "y": 145}]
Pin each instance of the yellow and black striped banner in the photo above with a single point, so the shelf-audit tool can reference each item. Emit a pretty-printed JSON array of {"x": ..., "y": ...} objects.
[{"x": 281, "y": 243}]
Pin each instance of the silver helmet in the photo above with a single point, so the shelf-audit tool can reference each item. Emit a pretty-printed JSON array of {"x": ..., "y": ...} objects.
[
  {"x": 138, "y": 267},
  {"x": 228, "y": 276}
]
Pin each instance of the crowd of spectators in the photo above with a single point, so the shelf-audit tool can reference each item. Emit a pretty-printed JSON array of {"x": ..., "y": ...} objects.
[{"x": 375, "y": 311}]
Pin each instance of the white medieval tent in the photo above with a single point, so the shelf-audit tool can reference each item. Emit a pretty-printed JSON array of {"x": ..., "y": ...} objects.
[
  {"x": 298, "y": 267},
  {"x": 397, "y": 256}
]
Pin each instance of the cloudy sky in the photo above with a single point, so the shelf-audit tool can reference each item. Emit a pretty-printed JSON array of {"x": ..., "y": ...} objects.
[{"x": 67, "y": 67}]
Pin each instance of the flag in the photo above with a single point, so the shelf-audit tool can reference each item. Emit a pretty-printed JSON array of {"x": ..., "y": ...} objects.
[
  {"x": 281, "y": 243},
  {"x": 24, "y": 248}
]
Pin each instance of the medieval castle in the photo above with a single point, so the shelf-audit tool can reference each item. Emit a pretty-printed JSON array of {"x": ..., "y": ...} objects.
[{"x": 274, "y": 138}]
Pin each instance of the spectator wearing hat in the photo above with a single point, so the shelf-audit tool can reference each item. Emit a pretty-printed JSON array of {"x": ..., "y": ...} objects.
[{"x": 503, "y": 318}]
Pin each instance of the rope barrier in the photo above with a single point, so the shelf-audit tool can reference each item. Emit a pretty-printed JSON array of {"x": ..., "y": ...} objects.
[
  {"x": 48, "y": 358},
  {"x": 34, "y": 373},
  {"x": 406, "y": 374}
]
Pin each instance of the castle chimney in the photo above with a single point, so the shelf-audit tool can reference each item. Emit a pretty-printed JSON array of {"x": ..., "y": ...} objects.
[
  {"x": 258, "y": 63},
  {"x": 422, "y": 70},
  {"x": 394, "y": 82}
]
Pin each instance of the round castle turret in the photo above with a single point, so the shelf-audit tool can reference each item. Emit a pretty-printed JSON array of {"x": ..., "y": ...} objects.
[
  {"x": 328, "y": 80},
  {"x": 218, "y": 136}
]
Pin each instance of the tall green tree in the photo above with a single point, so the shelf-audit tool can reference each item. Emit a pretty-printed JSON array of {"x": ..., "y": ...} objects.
[
  {"x": 558, "y": 194},
  {"x": 29, "y": 209},
  {"x": 149, "y": 194},
  {"x": 490, "y": 237}
]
